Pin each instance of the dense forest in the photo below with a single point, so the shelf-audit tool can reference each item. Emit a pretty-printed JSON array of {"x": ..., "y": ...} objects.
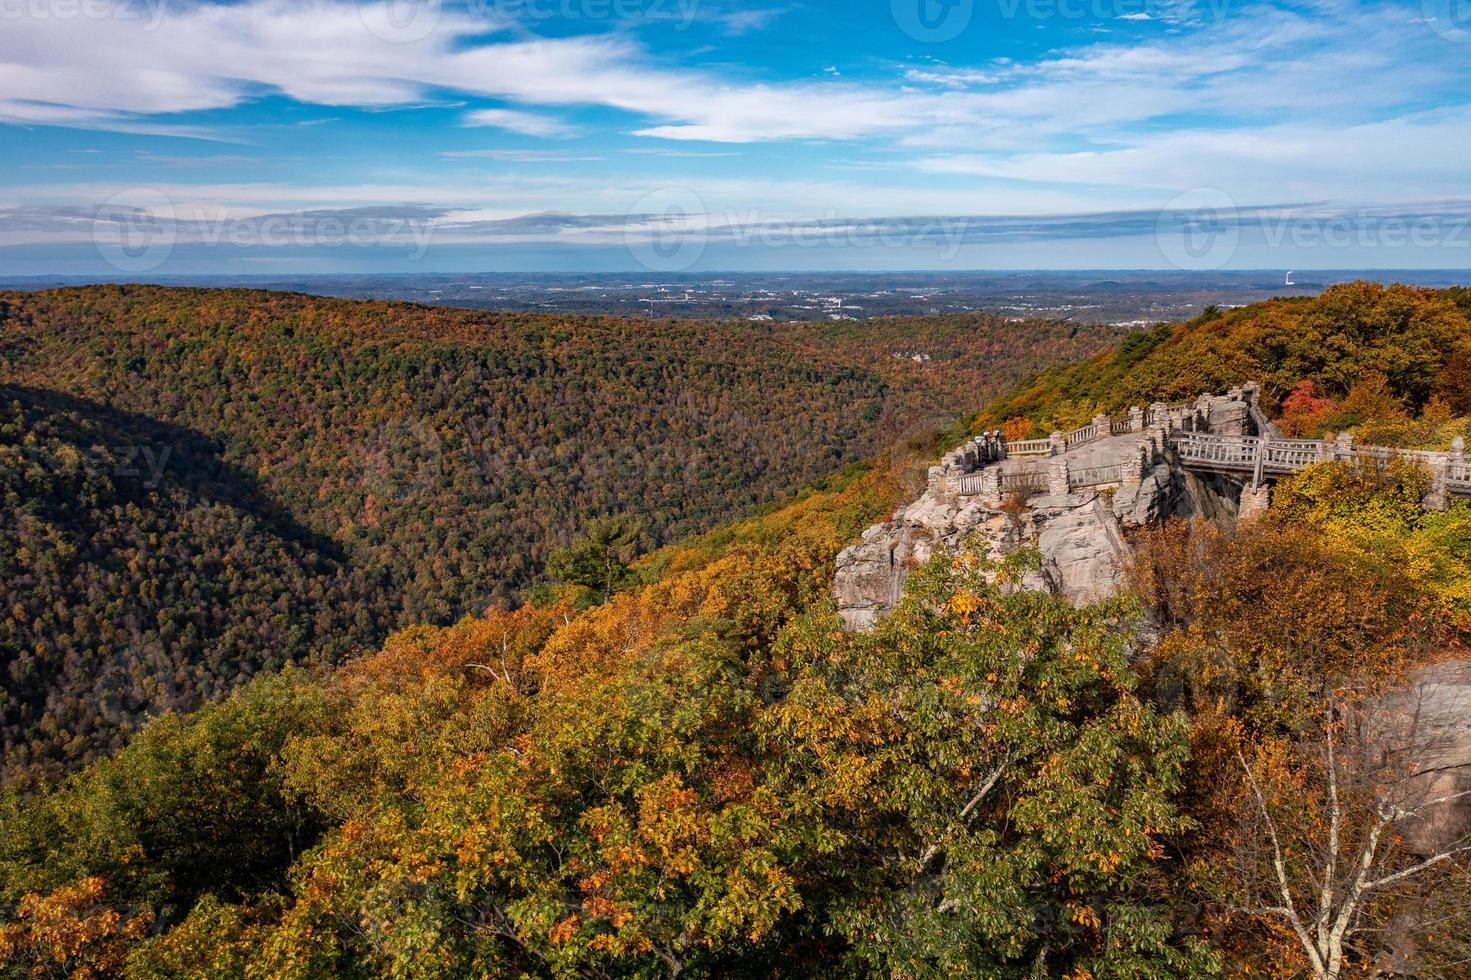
[
  {"x": 704, "y": 775},
  {"x": 203, "y": 483},
  {"x": 1360, "y": 353},
  {"x": 142, "y": 574}
]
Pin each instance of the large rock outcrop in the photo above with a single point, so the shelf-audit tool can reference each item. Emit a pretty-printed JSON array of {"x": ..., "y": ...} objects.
[
  {"x": 1081, "y": 535},
  {"x": 1074, "y": 497}
]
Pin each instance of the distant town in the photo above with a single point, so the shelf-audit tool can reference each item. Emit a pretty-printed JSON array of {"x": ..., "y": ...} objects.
[{"x": 1117, "y": 298}]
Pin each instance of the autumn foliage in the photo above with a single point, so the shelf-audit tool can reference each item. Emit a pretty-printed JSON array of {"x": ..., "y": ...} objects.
[{"x": 680, "y": 764}]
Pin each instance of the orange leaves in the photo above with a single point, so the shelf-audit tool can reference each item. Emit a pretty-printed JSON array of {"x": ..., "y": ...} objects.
[
  {"x": 671, "y": 822},
  {"x": 1016, "y": 428},
  {"x": 488, "y": 649},
  {"x": 563, "y": 931},
  {"x": 71, "y": 931},
  {"x": 1107, "y": 862}
]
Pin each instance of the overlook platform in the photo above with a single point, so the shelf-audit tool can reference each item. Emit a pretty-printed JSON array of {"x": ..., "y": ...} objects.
[{"x": 1223, "y": 435}]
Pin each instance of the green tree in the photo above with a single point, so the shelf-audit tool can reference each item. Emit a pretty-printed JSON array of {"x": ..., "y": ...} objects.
[
  {"x": 598, "y": 558},
  {"x": 991, "y": 795}
]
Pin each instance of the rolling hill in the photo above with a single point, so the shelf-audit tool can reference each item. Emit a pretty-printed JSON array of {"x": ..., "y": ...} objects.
[{"x": 330, "y": 470}]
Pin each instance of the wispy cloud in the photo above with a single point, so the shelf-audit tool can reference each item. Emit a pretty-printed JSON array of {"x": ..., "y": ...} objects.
[
  {"x": 521, "y": 156},
  {"x": 1272, "y": 100},
  {"x": 516, "y": 121}
]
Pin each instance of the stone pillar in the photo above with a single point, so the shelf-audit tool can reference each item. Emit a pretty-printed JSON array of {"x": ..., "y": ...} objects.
[
  {"x": 1104, "y": 424},
  {"x": 1157, "y": 413},
  {"x": 1159, "y": 440},
  {"x": 1255, "y": 499},
  {"x": 1058, "y": 443},
  {"x": 1136, "y": 418},
  {"x": 935, "y": 481},
  {"x": 1133, "y": 468},
  {"x": 1058, "y": 478},
  {"x": 1343, "y": 446},
  {"x": 1439, "y": 497},
  {"x": 1458, "y": 458},
  {"x": 991, "y": 486}
]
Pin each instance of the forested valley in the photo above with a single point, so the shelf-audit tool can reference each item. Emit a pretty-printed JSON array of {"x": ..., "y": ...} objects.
[{"x": 199, "y": 484}]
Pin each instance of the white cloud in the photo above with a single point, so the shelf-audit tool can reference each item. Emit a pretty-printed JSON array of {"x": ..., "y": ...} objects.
[
  {"x": 1323, "y": 102},
  {"x": 516, "y": 121},
  {"x": 1403, "y": 159}
]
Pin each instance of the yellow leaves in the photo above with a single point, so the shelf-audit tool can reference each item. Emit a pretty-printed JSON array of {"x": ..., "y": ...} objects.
[
  {"x": 1012, "y": 705},
  {"x": 964, "y": 604},
  {"x": 1084, "y": 916},
  {"x": 1107, "y": 862},
  {"x": 670, "y": 822}
]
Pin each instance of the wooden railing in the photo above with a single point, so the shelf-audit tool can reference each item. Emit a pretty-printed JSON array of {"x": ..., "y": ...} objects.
[
  {"x": 1256, "y": 457},
  {"x": 1224, "y": 452},
  {"x": 969, "y": 485},
  {"x": 1082, "y": 436}
]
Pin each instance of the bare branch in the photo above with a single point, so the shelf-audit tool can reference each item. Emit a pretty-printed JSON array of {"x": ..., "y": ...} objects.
[
  {"x": 1415, "y": 869},
  {"x": 1279, "y": 866}
]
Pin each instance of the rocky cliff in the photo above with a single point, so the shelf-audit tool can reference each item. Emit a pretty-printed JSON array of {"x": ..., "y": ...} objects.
[
  {"x": 1081, "y": 535},
  {"x": 1076, "y": 505}
]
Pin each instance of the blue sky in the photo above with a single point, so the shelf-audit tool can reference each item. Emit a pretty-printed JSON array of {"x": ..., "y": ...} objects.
[{"x": 170, "y": 137}]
